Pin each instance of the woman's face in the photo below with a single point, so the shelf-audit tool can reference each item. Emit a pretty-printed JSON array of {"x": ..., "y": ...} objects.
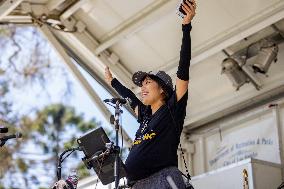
[{"x": 151, "y": 92}]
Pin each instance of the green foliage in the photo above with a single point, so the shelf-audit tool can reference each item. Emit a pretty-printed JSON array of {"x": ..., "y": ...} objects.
[
  {"x": 52, "y": 129},
  {"x": 4, "y": 31},
  {"x": 25, "y": 63},
  {"x": 55, "y": 122},
  {"x": 82, "y": 171},
  {"x": 22, "y": 165}
]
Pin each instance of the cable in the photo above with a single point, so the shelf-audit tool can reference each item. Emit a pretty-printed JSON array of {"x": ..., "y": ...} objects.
[
  {"x": 178, "y": 131},
  {"x": 100, "y": 169},
  {"x": 68, "y": 155},
  {"x": 61, "y": 159}
]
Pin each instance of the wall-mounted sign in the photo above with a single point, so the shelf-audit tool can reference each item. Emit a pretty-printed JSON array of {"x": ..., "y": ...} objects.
[{"x": 254, "y": 139}]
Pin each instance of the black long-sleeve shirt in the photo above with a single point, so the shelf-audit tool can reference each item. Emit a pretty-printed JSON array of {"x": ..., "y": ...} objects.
[
  {"x": 156, "y": 140},
  {"x": 182, "y": 73},
  {"x": 185, "y": 54}
]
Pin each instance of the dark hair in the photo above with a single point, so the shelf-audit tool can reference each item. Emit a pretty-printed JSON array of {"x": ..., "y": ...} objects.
[
  {"x": 165, "y": 96},
  {"x": 166, "y": 92}
]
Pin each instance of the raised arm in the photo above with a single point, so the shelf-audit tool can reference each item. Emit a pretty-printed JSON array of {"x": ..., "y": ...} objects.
[
  {"x": 185, "y": 52},
  {"x": 123, "y": 91}
]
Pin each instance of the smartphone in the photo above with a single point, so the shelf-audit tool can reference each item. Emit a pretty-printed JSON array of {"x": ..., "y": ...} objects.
[{"x": 180, "y": 12}]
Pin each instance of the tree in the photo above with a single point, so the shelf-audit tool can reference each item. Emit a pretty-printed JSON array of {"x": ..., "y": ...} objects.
[
  {"x": 27, "y": 63},
  {"x": 53, "y": 129}
]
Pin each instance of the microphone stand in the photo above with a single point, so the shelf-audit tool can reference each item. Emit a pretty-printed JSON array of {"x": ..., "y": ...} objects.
[
  {"x": 116, "y": 147},
  {"x": 115, "y": 120},
  {"x": 2, "y": 142},
  {"x": 61, "y": 159}
]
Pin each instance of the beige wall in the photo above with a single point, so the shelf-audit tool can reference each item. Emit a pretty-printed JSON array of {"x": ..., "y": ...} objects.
[{"x": 249, "y": 134}]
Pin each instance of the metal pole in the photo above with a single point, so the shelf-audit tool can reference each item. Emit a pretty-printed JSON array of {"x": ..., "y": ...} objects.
[{"x": 117, "y": 148}]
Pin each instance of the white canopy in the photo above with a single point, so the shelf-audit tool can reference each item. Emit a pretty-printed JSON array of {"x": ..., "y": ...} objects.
[{"x": 146, "y": 35}]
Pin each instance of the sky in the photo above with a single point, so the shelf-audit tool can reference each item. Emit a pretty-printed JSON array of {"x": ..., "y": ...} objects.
[
  {"x": 129, "y": 123},
  {"x": 79, "y": 99},
  {"x": 33, "y": 97}
]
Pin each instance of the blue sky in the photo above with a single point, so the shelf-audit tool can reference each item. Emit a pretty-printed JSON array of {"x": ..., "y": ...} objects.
[
  {"x": 32, "y": 97},
  {"x": 129, "y": 123},
  {"x": 79, "y": 98}
]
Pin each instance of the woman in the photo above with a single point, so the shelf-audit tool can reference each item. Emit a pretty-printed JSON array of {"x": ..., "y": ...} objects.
[{"x": 152, "y": 160}]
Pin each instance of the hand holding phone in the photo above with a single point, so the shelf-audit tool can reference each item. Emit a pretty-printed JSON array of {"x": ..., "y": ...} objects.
[
  {"x": 186, "y": 10},
  {"x": 180, "y": 6}
]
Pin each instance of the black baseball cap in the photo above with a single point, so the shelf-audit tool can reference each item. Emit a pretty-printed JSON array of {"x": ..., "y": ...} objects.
[{"x": 161, "y": 77}]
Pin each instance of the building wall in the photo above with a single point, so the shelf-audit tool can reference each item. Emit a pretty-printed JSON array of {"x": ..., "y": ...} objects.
[{"x": 255, "y": 133}]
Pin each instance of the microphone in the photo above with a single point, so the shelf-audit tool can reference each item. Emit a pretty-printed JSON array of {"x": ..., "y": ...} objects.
[
  {"x": 114, "y": 100},
  {"x": 17, "y": 135},
  {"x": 3, "y": 130}
]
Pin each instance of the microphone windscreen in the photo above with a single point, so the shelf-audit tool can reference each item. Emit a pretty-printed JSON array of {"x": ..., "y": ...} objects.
[
  {"x": 4, "y": 130},
  {"x": 19, "y": 135}
]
